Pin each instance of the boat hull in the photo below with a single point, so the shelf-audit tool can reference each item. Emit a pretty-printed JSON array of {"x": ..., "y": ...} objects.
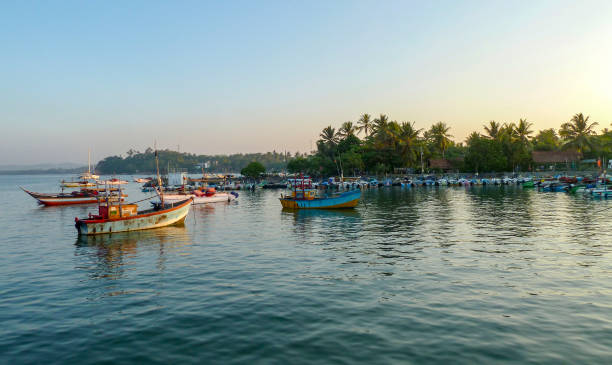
[
  {"x": 146, "y": 220},
  {"x": 62, "y": 199},
  {"x": 66, "y": 201},
  {"x": 343, "y": 201}
]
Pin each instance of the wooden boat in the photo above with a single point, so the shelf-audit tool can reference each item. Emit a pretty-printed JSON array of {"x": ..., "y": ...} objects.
[
  {"x": 83, "y": 179},
  {"x": 85, "y": 196},
  {"x": 304, "y": 196},
  {"x": 112, "y": 182},
  {"x": 308, "y": 199},
  {"x": 601, "y": 192},
  {"x": 529, "y": 184},
  {"x": 115, "y": 217},
  {"x": 77, "y": 184},
  {"x": 202, "y": 197},
  {"x": 142, "y": 180}
]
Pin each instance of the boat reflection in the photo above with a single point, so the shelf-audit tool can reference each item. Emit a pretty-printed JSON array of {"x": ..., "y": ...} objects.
[
  {"x": 107, "y": 256},
  {"x": 302, "y": 214},
  {"x": 312, "y": 225}
]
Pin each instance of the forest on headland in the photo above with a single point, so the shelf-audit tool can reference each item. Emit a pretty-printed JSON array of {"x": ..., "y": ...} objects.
[
  {"x": 380, "y": 145},
  {"x": 144, "y": 162}
]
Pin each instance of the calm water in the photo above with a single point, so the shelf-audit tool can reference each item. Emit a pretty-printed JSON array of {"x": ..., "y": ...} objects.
[{"x": 424, "y": 276}]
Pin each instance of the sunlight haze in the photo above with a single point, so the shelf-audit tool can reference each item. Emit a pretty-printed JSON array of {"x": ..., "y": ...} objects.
[{"x": 230, "y": 77}]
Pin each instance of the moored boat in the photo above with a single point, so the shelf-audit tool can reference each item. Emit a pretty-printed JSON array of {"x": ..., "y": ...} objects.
[
  {"x": 308, "y": 199},
  {"x": 84, "y": 196},
  {"x": 304, "y": 196},
  {"x": 202, "y": 197},
  {"x": 112, "y": 182},
  {"x": 77, "y": 184},
  {"x": 115, "y": 217}
]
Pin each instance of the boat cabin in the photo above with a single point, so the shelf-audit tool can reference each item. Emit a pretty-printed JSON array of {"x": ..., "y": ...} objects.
[
  {"x": 308, "y": 194},
  {"x": 117, "y": 211}
]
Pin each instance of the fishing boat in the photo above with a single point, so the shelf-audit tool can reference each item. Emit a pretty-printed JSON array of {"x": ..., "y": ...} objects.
[
  {"x": 142, "y": 180},
  {"x": 84, "y": 196},
  {"x": 306, "y": 197},
  {"x": 210, "y": 195},
  {"x": 113, "y": 182},
  {"x": 116, "y": 217},
  {"x": 85, "y": 180},
  {"x": 77, "y": 184}
]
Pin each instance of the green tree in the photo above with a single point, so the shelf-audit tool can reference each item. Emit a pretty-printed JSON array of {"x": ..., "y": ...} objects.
[
  {"x": 409, "y": 143},
  {"x": 578, "y": 133},
  {"x": 347, "y": 129},
  {"x": 493, "y": 129},
  {"x": 329, "y": 135},
  {"x": 523, "y": 131},
  {"x": 298, "y": 164},
  {"x": 484, "y": 154},
  {"x": 253, "y": 170},
  {"x": 380, "y": 123},
  {"x": 546, "y": 140},
  {"x": 365, "y": 124},
  {"x": 439, "y": 137}
]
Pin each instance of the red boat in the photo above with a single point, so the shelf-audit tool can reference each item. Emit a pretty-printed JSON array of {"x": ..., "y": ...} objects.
[{"x": 83, "y": 196}]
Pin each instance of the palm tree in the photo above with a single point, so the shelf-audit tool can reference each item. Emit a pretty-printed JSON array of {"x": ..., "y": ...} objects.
[
  {"x": 438, "y": 134},
  {"x": 380, "y": 123},
  {"x": 473, "y": 137},
  {"x": 329, "y": 135},
  {"x": 386, "y": 134},
  {"x": 408, "y": 141},
  {"x": 347, "y": 129},
  {"x": 578, "y": 133},
  {"x": 522, "y": 131},
  {"x": 365, "y": 124},
  {"x": 493, "y": 129}
]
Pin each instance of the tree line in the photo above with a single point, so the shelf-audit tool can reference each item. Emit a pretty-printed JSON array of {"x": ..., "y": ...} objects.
[
  {"x": 379, "y": 145},
  {"x": 144, "y": 162}
]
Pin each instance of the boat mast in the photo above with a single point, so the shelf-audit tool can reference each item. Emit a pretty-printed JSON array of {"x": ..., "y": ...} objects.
[{"x": 159, "y": 182}]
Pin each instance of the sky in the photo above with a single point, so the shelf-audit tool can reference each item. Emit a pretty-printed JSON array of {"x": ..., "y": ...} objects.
[{"x": 224, "y": 77}]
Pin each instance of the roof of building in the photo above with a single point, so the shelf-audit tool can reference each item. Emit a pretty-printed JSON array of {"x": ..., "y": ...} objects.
[
  {"x": 440, "y": 163},
  {"x": 555, "y": 156}
]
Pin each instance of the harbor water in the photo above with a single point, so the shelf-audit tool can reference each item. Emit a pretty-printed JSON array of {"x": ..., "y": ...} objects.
[{"x": 421, "y": 275}]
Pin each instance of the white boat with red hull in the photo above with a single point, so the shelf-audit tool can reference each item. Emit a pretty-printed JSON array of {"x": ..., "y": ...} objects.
[
  {"x": 112, "y": 218},
  {"x": 84, "y": 196}
]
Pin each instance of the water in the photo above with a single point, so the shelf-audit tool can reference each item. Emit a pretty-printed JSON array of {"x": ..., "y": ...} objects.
[{"x": 477, "y": 275}]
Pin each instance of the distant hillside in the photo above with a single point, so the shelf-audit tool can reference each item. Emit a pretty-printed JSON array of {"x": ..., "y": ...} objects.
[
  {"x": 48, "y": 171},
  {"x": 42, "y": 166},
  {"x": 144, "y": 162}
]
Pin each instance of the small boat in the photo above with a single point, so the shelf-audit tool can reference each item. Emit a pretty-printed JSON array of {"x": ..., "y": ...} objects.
[
  {"x": 202, "y": 197},
  {"x": 554, "y": 187},
  {"x": 304, "y": 196},
  {"x": 116, "y": 217},
  {"x": 308, "y": 199},
  {"x": 84, "y": 196},
  {"x": 528, "y": 184},
  {"x": 142, "y": 180},
  {"x": 77, "y": 184},
  {"x": 83, "y": 179},
  {"x": 112, "y": 182},
  {"x": 601, "y": 192}
]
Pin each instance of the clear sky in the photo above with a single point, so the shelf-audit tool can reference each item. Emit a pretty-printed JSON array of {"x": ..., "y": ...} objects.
[{"x": 253, "y": 76}]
